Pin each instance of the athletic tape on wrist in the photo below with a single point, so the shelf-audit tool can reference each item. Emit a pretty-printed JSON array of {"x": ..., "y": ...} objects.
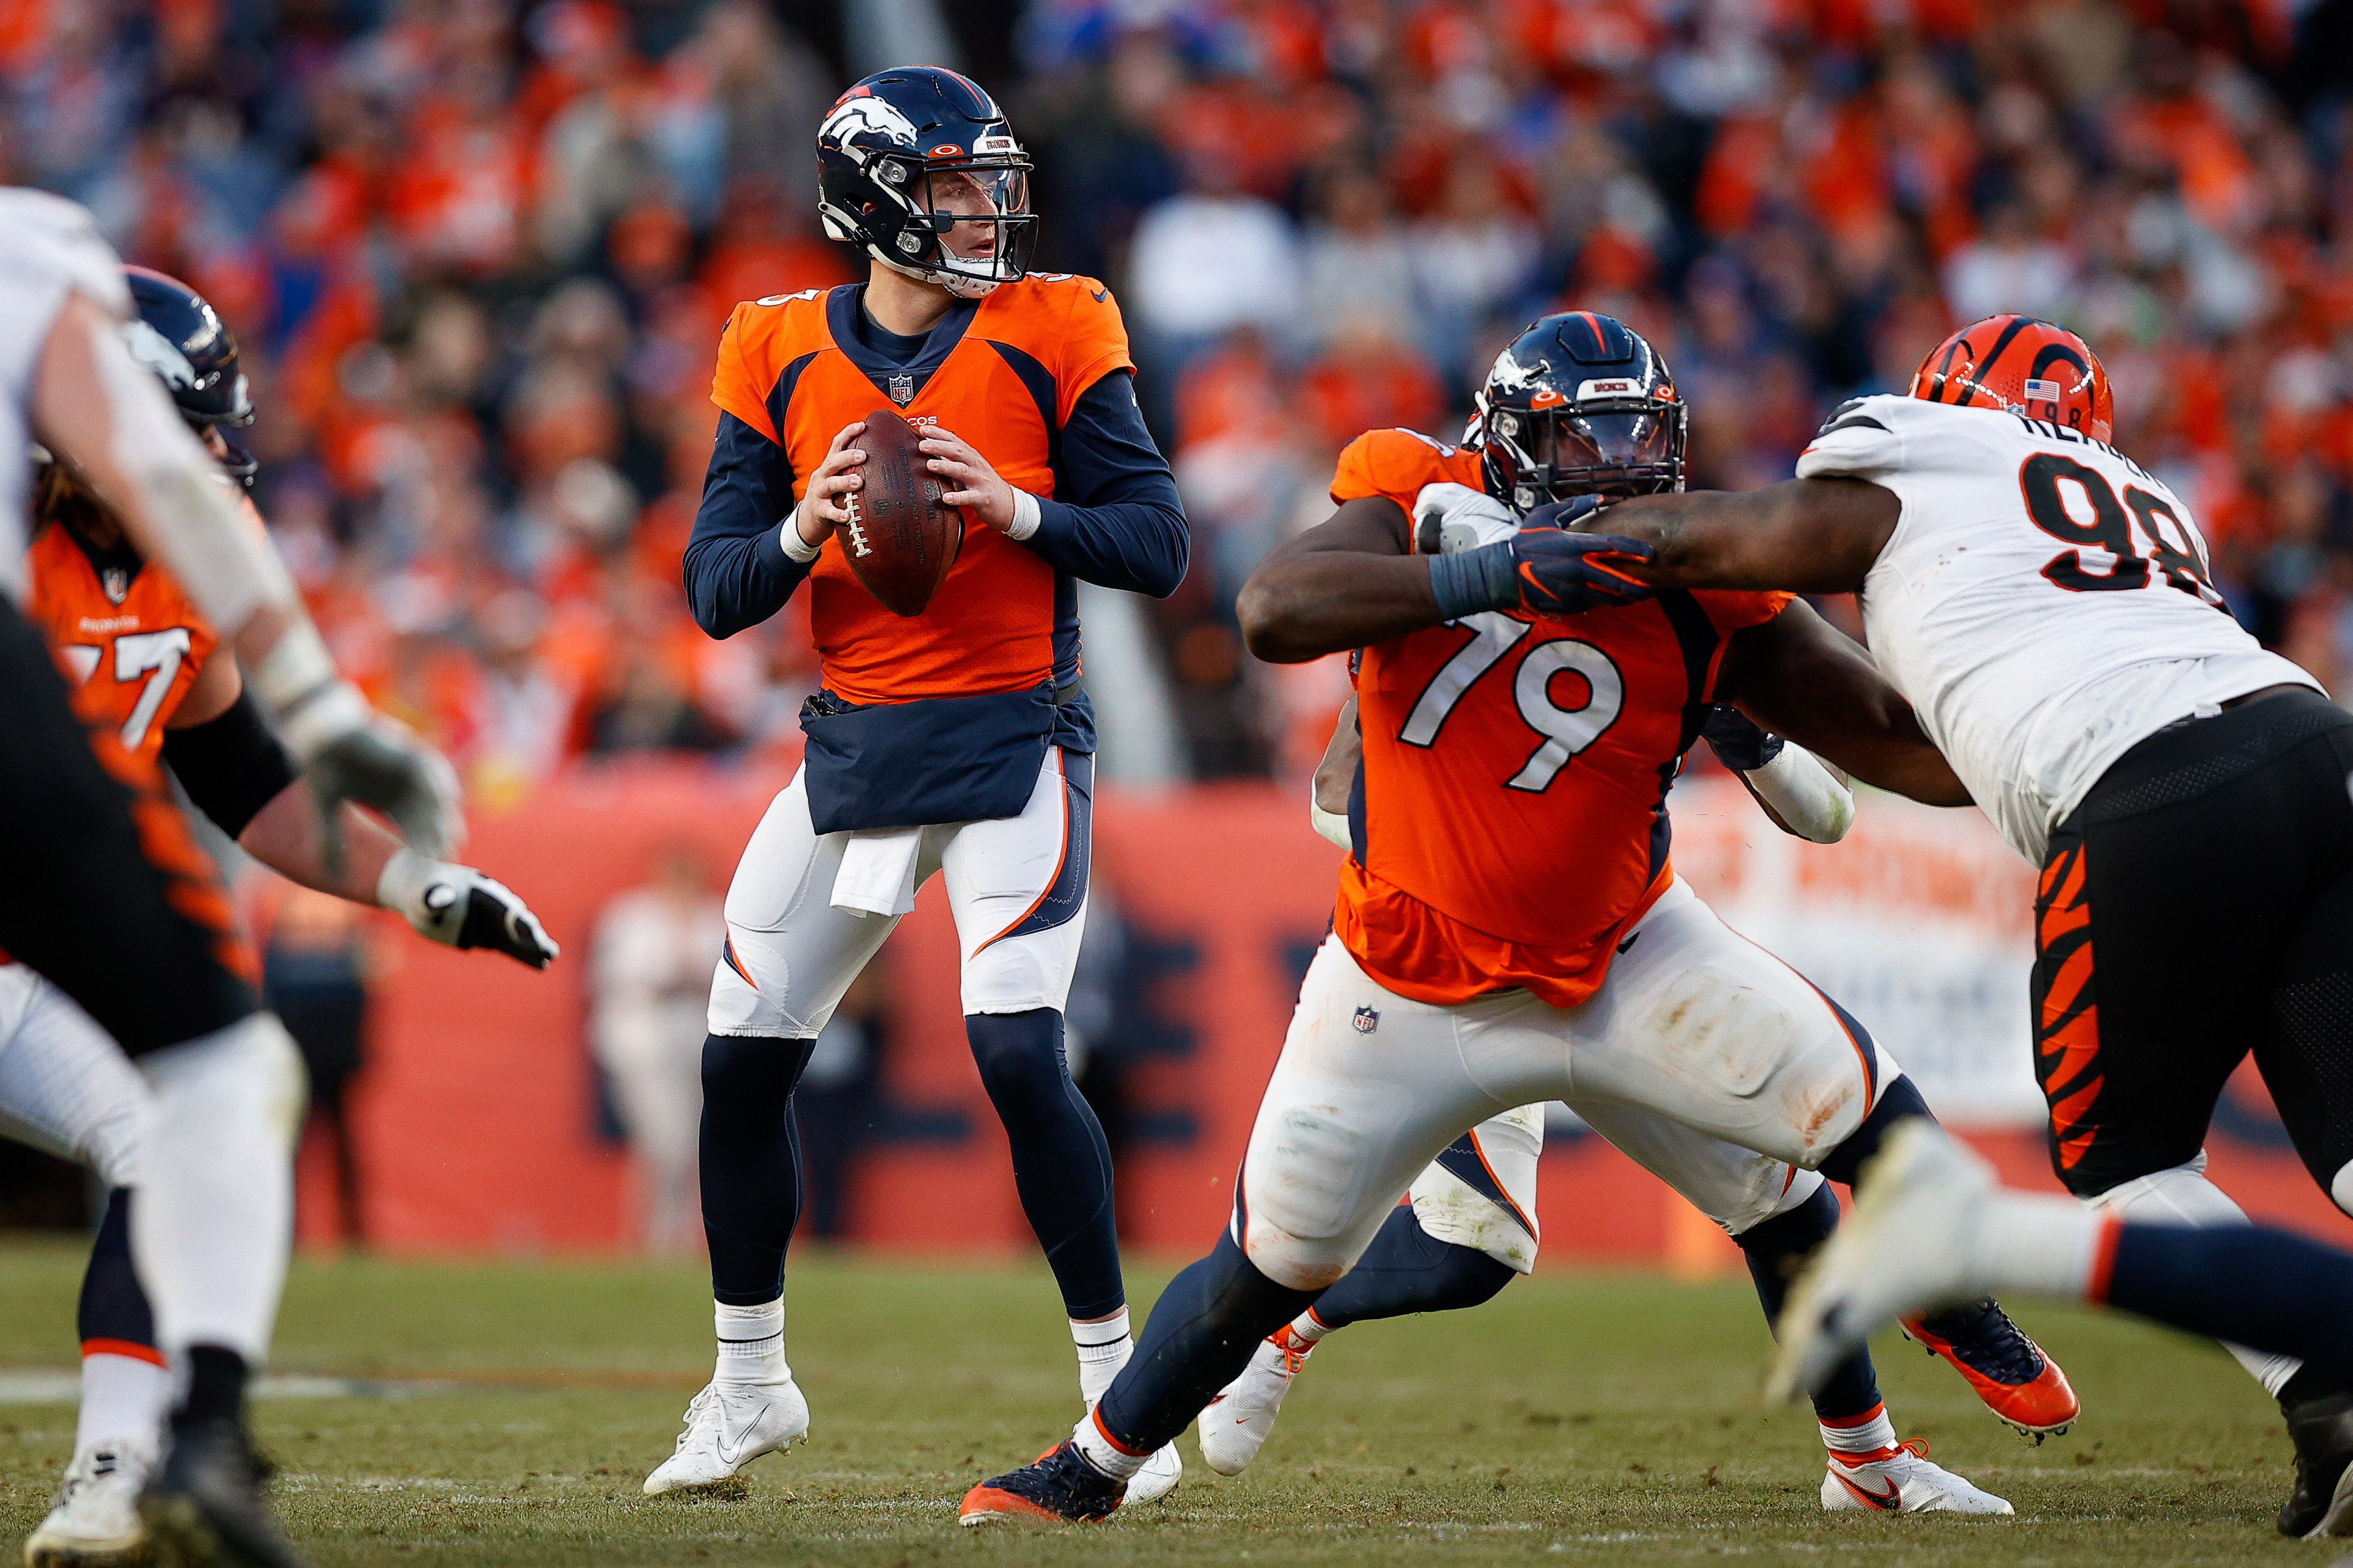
[
  {"x": 1471, "y": 581},
  {"x": 797, "y": 550},
  {"x": 1027, "y": 516}
]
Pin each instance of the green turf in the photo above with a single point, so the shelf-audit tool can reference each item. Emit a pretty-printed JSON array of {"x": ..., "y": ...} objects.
[{"x": 1601, "y": 1418}]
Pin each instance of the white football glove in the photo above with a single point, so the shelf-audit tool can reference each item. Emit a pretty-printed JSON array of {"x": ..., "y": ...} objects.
[
  {"x": 1449, "y": 518},
  {"x": 456, "y": 906},
  {"x": 348, "y": 751}
]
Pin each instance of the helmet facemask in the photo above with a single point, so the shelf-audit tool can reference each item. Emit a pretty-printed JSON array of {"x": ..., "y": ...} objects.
[
  {"x": 964, "y": 225},
  {"x": 1615, "y": 447}
]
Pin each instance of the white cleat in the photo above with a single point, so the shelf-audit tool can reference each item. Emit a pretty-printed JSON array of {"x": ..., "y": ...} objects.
[
  {"x": 728, "y": 1426},
  {"x": 95, "y": 1520},
  {"x": 1901, "y": 1481},
  {"x": 1904, "y": 1249},
  {"x": 1156, "y": 1479},
  {"x": 1235, "y": 1423}
]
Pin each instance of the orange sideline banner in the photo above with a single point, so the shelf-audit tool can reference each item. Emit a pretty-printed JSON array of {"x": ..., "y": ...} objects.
[{"x": 477, "y": 1111}]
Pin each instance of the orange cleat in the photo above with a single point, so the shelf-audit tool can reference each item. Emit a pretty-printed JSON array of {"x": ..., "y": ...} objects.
[
  {"x": 1060, "y": 1487},
  {"x": 2010, "y": 1372}
]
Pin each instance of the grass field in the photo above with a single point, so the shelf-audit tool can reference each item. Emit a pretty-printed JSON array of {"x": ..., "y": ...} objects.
[{"x": 1599, "y": 1418}]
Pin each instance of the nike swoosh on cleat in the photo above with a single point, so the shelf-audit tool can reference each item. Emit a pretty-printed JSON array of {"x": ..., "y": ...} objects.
[
  {"x": 1891, "y": 1501},
  {"x": 1628, "y": 941},
  {"x": 719, "y": 1444}
]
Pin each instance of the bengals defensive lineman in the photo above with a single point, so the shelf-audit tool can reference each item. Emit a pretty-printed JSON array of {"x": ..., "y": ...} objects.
[
  {"x": 1510, "y": 929},
  {"x": 110, "y": 898},
  {"x": 148, "y": 670},
  {"x": 956, "y": 741},
  {"x": 2045, "y": 602}
]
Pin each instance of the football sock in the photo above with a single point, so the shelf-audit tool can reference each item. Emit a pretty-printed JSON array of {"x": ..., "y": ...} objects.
[
  {"x": 215, "y": 1207},
  {"x": 1061, "y": 1166},
  {"x": 122, "y": 1397},
  {"x": 216, "y": 1384},
  {"x": 1777, "y": 1251},
  {"x": 751, "y": 1343},
  {"x": 1868, "y": 1436},
  {"x": 2252, "y": 1285},
  {"x": 1406, "y": 1269},
  {"x": 751, "y": 1163},
  {"x": 125, "y": 1388},
  {"x": 2182, "y": 1195},
  {"x": 1897, "y": 1101},
  {"x": 1104, "y": 1350},
  {"x": 1309, "y": 1327},
  {"x": 1200, "y": 1335}
]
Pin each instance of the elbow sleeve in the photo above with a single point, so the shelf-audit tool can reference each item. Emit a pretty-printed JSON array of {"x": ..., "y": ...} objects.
[{"x": 231, "y": 766}]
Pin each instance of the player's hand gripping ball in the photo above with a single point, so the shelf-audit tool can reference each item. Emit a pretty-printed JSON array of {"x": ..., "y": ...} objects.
[{"x": 901, "y": 538}]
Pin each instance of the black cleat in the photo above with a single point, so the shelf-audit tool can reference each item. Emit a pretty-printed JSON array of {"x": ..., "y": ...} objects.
[
  {"x": 1061, "y": 1488},
  {"x": 2322, "y": 1503},
  {"x": 204, "y": 1508}
]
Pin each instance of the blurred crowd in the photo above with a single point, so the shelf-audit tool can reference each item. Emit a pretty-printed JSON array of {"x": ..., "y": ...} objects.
[{"x": 477, "y": 252}]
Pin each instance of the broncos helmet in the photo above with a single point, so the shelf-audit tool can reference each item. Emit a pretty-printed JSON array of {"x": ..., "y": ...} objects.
[
  {"x": 918, "y": 168},
  {"x": 179, "y": 336},
  {"x": 1579, "y": 404}
]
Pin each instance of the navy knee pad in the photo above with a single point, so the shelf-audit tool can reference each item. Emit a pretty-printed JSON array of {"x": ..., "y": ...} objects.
[
  {"x": 751, "y": 1161},
  {"x": 1899, "y": 1100},
  {"x": 1406, "y": 1269}
]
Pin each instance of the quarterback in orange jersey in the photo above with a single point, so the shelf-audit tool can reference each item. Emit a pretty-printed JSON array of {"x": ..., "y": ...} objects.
[
  {"x": 153, "y": 683},
  {"x": 1510, "y": 930},
  {"x": 953, "y": 741}
]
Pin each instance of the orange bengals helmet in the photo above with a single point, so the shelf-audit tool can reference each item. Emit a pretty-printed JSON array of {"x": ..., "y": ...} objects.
[{"x": 2022, "y": 365}]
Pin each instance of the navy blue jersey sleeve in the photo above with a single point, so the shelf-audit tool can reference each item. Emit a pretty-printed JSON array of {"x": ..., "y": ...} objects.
[
  {"x": 1119, "y": 521},
  {"x": 737, "y": 573}
]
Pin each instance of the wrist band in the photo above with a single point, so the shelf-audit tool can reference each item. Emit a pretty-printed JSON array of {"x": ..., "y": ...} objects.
[
  {"x": 1026, "y": 515},
  {"x": 789, "y": 534},
  {"x": 1469, "y": 581}
]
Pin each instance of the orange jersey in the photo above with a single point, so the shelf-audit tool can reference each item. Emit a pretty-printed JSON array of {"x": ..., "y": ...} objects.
[
  {"x": 1511, "y": 815},
  {"x": 129, "y": 640},
  {"x": 789, "y": 368}
]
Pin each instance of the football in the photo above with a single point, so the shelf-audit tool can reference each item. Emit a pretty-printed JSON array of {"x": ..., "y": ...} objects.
[{"x": 900, "y": 539}]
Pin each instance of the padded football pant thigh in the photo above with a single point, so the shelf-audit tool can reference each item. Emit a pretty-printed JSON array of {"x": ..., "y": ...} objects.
[
  {"x": 1701, "y": 1024},
  {"x": 65, "y": 1087},
  {"x": 1369, "y": 1088},
  {"x": 1736, "y": 1187},
  {"x": 1480, "y": 1191},
  {"x": 1017, "y": 889},
  {"x": 790, "y": 955}
]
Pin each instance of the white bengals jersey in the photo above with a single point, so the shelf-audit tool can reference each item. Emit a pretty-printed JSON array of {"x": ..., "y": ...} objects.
[
  {"x": 49, "y": 248},
  {"x": 2044, "y": 602}
]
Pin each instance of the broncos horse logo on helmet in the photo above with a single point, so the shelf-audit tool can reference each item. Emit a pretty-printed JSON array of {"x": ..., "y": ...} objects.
[
  {"x": 917, "y": 167},
  {"x": 1579, "y": 404},
  {"x": 179, "y": 336},
  {"x": 2020, "y": 365}
]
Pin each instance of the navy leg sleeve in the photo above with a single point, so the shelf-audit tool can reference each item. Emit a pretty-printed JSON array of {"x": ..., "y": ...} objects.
[
  {"x": 2266, "y": 1289},
  {"x": 114, "y": 1306},
  {"x": 1406, "y": 1269},
  {"x": 1061, "y": 1166},
  {"x": 1775, "y": 1251},
  {"x": 1900, "y": 1101},
  {"x": 1198, "y": 1340},
  {"x": 751, "y": 1161}
]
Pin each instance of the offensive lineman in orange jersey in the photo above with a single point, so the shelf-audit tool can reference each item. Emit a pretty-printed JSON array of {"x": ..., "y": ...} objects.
[
  {"x": 149, "y": 675},
  {"x": 1510, "y": 928},
  {"x": 954, "y": 742}
]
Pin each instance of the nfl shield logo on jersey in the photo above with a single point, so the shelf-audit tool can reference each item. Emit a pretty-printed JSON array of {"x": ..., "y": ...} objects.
[
  {"x": 116, "y": 583},
  {"x": 903, "y": 390},
  {"x": 1366, "y": 1021}
]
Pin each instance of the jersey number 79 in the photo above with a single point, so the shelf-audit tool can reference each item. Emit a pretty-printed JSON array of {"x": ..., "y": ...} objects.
[{"x": 1566, "y": 731}]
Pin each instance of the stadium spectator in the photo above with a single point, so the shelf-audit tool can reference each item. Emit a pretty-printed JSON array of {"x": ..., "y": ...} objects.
[
  {"x": 650, "y": 974},
  {"x": 466, "y": 247}
]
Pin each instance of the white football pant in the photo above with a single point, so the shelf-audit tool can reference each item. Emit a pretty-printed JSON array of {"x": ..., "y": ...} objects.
[
  {"x": 65, "y": 1087},
  {"x": 1704, "y": 1057},
  {"x": 794, "y": 953}
]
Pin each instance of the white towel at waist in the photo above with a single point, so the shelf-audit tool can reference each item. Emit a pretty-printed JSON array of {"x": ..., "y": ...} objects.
[{"x": 878, "y": 872}]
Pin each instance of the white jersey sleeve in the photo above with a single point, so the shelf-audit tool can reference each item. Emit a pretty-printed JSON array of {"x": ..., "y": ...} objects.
[
  {"x": 2044, "y": 602},
  {"x": 49, "y": 249}
]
